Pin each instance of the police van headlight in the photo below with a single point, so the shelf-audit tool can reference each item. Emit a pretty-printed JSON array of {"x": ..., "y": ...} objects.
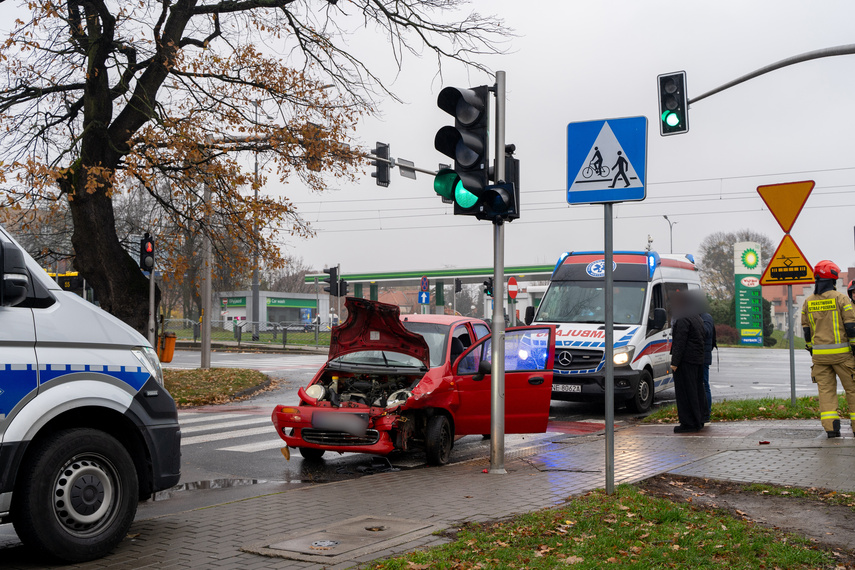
[
  {"x": 148, "y": 358},
  {"x": 623, "y": 355}
]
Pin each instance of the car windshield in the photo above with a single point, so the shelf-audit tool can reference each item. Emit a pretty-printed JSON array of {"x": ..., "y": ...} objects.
[
  {"x": 435, "y": 336},
  {"x": 385, "y": 358},
  {"x": 583, "y": 302}
]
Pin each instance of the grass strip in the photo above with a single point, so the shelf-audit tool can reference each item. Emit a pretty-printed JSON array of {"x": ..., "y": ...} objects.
[
  {"x": 822, "y": 495},
  {"x": 214, "y": 386},
  {"x": 627, "y": 530},
  {"x": 806, "y": 408}
]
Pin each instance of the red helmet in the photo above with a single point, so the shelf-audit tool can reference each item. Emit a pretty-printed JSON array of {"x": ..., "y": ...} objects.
[
  {"x": 826, "y": 269},
  {"x": 851, "y": 287}
]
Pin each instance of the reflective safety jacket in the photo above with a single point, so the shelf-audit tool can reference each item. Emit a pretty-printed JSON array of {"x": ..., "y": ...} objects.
[{"x": 828, "y": 316}]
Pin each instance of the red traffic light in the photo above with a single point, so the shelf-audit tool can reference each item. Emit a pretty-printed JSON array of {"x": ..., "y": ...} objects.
[{"x": 149, "y": 247}]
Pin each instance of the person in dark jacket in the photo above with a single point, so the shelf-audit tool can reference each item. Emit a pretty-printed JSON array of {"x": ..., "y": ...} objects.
[
  {"x": 687, "y": 360},
  {"x": 709, "y": 344}
]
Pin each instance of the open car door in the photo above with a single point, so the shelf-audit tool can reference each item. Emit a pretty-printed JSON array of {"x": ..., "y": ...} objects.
[{"x": 529, "y": 359}]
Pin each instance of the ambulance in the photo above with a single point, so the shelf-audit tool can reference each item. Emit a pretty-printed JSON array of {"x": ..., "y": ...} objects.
[
  {"x": 86, "y": 427},
  {"x": 644, "y": 282}
]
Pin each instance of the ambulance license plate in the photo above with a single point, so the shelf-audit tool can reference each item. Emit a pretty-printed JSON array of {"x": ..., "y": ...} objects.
[{"x": 566, "y": 387}]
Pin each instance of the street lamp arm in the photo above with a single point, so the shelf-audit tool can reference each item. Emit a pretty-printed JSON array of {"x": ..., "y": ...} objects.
[{"x": 816, "y": 54}]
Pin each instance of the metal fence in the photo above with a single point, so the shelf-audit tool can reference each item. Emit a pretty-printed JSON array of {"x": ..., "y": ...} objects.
[{"x": 268, "y": 333}]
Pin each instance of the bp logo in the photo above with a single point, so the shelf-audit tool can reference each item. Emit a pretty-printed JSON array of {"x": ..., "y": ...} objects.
[
  {"x": 598, "y": 268},
  {"x": 750, "y": 259}
]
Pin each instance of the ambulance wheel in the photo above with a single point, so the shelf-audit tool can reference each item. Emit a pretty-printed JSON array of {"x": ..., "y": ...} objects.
[
  {"x": 439, "y": 439},
  {"x": 311, "y": 453},
  {"x": 643, "y": 399},
  {"x": 77, "y": 495}
]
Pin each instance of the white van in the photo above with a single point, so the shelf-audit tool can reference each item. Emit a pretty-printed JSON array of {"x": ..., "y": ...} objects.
[
  {"x": 644, "y": 283},
  {"x": 86, "y": 426}
]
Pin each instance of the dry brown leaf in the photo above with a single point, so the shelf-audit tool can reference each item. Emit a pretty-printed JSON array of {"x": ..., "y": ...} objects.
[
  {"x": 415, "y": 566},
  {"x": 573, "y": 560}
]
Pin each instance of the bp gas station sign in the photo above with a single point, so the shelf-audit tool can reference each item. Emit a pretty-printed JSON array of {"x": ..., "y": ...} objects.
[{"x": 749, "y": 300}]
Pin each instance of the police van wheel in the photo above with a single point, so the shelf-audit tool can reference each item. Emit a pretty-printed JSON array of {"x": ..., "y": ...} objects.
[
  {"x": 77, "y": 495},
  {"x": 643, "y": 398}
]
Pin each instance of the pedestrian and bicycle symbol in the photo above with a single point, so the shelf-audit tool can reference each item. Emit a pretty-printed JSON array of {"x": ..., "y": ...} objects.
[{"x": 606, "y": 160}]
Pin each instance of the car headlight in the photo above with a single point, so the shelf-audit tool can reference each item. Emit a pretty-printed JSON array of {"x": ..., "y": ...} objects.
[
  {"x": 398, "y": 398},
  {"x": 148, "y": 358},
  {"x": 623, "y": 355},
  {"x": 315, "y": 391}
]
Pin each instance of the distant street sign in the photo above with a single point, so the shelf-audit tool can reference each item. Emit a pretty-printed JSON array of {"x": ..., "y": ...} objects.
[
  {"x": 405, "y": 168},
  {"x": 606, "y": 160},
  {"x": 786, "y": 201},
  {"x": 788, "y": 265},
  {"x": 424, "y": 298},
  {"x": 513, "y": 288},
  {"x": 425, "y": 284}
]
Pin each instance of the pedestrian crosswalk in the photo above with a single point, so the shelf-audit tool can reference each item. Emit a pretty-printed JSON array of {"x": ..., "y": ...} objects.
[{"x": 238, "y": 432}]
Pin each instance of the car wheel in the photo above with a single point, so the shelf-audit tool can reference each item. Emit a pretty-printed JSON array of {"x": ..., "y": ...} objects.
[
  {"x": 311, "y": 453},
  {"x": 438, "y": 441},
  {"x": 77, "y": 495},
  {"x": 643, "y": 399}
]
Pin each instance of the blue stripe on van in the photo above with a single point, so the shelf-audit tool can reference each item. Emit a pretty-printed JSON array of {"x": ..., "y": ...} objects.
[
  {"x": 133, "y": 376},
  {"x": 15, "y": 385}
]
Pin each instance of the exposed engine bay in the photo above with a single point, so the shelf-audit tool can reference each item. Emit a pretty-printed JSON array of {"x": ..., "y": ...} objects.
[{"x": 387, "y": 391}]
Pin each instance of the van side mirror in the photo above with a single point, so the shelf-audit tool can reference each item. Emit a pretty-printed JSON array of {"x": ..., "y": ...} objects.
[
  {"x": 13, "y": 278},
  {"x": 484, "y": 368},
  {"x": 659, "y": 318},
  {"x": 529, "y": 314}
]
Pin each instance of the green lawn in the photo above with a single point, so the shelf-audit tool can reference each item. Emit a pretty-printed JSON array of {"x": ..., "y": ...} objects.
[
  {"x": 215, "y": 386},
  {"x": 806, "y": 408}
]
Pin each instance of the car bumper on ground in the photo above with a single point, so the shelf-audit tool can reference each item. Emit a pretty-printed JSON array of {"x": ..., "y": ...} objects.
[
  {"x": 591, "y": 387},
  {"x": 295, "y": 426}
]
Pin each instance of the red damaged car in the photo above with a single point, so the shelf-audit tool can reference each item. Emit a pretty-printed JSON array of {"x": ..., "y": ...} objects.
[{"x": 415, "y": 383}]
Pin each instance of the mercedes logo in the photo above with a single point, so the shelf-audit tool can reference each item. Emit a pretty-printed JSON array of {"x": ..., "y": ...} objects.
[{"x": 565, "y": 358}]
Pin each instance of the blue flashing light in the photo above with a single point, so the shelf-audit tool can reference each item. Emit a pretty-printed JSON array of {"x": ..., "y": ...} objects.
[
  {"x": 653, "y": 261},
  {"x": 560, "y": 261},
  {"x": 691, "y": 258}
]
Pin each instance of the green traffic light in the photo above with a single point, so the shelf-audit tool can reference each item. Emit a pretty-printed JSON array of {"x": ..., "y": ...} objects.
[
  {"x": 446, "y": 183},
  {"x": 670, "y": 118},
  {"x": 463, "y": 197}
]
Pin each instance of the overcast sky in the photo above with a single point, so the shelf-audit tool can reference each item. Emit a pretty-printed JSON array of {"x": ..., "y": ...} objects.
[{"x": 576, "y": 61}]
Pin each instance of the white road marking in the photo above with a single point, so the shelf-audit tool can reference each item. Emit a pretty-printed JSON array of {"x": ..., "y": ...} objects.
[
  {"x": 227, "y": 435},
  {"x": 253, "y": 447},
  {"x": 196, "y": 417},
  {"x": 226, "y": 425}
]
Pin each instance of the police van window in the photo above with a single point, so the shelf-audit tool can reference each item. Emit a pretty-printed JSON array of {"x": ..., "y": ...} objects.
[
  {"x": 670, "y": 289},
  {"x": 481, "y": 331}
]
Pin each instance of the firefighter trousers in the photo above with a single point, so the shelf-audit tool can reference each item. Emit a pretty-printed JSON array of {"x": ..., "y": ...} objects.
[{"x": 825, "y": 376}]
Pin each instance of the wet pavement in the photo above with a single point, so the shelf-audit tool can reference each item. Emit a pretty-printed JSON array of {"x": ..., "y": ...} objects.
[{"x": 342, "y": 524}]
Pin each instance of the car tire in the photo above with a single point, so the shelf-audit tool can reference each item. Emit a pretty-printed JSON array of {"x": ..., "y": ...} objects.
[
  {"x": 438, "y": 440},
  {"x": 311, "y": 453},
  {"x": 77, "y": 495},
  {"x": 642, "y": 401}
]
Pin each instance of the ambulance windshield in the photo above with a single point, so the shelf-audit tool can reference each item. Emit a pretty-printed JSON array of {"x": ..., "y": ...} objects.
[{"x": 583, "y": 302}]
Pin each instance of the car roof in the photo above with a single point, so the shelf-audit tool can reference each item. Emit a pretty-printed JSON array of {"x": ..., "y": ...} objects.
[{"x": 441, "y": 319}]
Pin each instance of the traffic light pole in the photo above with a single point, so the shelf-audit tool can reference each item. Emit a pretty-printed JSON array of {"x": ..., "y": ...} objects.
[
  {"x": 151, "y": 336},
  {"x": 207, "y": 275},
  {"x": 497, "y": 374}
]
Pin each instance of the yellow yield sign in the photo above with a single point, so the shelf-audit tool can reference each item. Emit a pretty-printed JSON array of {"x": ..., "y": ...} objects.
[
  {"x": 788, "y": 265},
  {"x": 786, "y": 201}
]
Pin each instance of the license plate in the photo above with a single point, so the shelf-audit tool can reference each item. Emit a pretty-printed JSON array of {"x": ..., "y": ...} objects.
[
  {"x": 354, "y": 424},
  {"x": 566, "y": 387}
]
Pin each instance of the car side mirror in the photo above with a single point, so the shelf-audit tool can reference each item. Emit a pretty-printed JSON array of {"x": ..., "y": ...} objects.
[
  {"x": 14, "y": 277},
  {"x": 659, "y": 318},
  {"x": 529, "y": 315},
  {"x": 484, "y": 368}
]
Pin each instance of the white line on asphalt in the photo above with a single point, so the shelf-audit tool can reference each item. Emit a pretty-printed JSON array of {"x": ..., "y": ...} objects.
[
  {"x": 225, "y": 425},
  {"x": 196, "y": 417},
  {"x": 226, "y": 435},
  {"x": 252, "y": 447}
]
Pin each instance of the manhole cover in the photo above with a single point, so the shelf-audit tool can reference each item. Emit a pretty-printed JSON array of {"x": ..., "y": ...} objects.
[{"x": 325, "y": 543}]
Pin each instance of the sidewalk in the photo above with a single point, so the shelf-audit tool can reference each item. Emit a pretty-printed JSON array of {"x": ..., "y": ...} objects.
[{"x": 392, "y": 513}]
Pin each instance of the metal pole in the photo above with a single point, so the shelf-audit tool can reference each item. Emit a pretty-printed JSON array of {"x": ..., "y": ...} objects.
[
  {"x": 338, "y": 297},
  {"x": 454, "y": 297},
  {"x": 317, "y": 311},
  {"x": 151, "y": 336},
  {"x": 608, "y": 305},
  {"x": 207, "y": 275},
  {"x": 255, "y": 286},
  {"x": 497, "y": 374},
  {"x": 792, "y": 348}
]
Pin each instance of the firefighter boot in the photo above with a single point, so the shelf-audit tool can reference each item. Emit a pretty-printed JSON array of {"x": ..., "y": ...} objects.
[{"x": 835, "y": 432}]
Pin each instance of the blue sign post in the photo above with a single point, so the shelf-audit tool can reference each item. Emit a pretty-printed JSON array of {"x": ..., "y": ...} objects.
[{"x": 607, "y": 163}]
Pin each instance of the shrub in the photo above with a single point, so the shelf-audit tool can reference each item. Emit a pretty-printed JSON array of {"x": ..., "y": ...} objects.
[{"x": 726, "y": 334}]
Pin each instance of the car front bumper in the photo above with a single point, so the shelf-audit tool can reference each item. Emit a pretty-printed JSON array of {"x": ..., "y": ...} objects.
[{"x": 297, "y": 429}]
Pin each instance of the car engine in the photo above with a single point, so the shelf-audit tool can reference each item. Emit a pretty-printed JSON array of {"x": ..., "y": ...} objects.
[{"x": 381, "y": 391}]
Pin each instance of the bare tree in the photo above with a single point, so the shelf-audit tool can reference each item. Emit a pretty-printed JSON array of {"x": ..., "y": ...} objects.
[
  {"x": 716, "y": 260},
  {"x": 290, "y": 278}
]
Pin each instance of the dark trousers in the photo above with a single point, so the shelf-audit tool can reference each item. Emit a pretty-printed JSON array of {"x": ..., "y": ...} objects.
[{"x": 691, "y": 399}]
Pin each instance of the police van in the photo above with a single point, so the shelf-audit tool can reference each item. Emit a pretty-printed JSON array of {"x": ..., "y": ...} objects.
[
  {"x": 643, "y": 285},
  {"x": 86, "y": 426}
]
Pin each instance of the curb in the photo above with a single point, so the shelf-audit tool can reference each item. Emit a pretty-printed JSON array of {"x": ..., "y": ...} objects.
[{"x": 252, "y": 389}]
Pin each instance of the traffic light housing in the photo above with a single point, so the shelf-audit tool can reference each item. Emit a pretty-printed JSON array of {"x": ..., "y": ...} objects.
[
  {"x": 147, "y": 252},
  {"x": 342, "y": 288},
  {"x": 467, "y": 142},
  {"x": 332, "y": 281},
  {"x": 488, "y": 287},
  {"x": 458, "y": 285},
  {"x": 381, "y": 168},
  {"x": 673, "y": 104}
]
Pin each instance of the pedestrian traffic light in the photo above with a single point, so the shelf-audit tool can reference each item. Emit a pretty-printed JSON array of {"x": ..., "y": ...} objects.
[
  {"x": 332, "y": 280},
  {"x": 467, "y": 143},
  {"x": 381, "y": 167},
  {"x": 458, "y": 285},
  {"x": 488, "y": 287},
  {"x": 146, "y": 252},
  {"x": 342, "y": 288},
  {"x": 673, "y": 104}
]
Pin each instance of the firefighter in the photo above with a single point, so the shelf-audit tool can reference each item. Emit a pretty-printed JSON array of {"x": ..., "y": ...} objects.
[
  {"x": 851, "y": 289},
  {"x": 828, "y": 321}
]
